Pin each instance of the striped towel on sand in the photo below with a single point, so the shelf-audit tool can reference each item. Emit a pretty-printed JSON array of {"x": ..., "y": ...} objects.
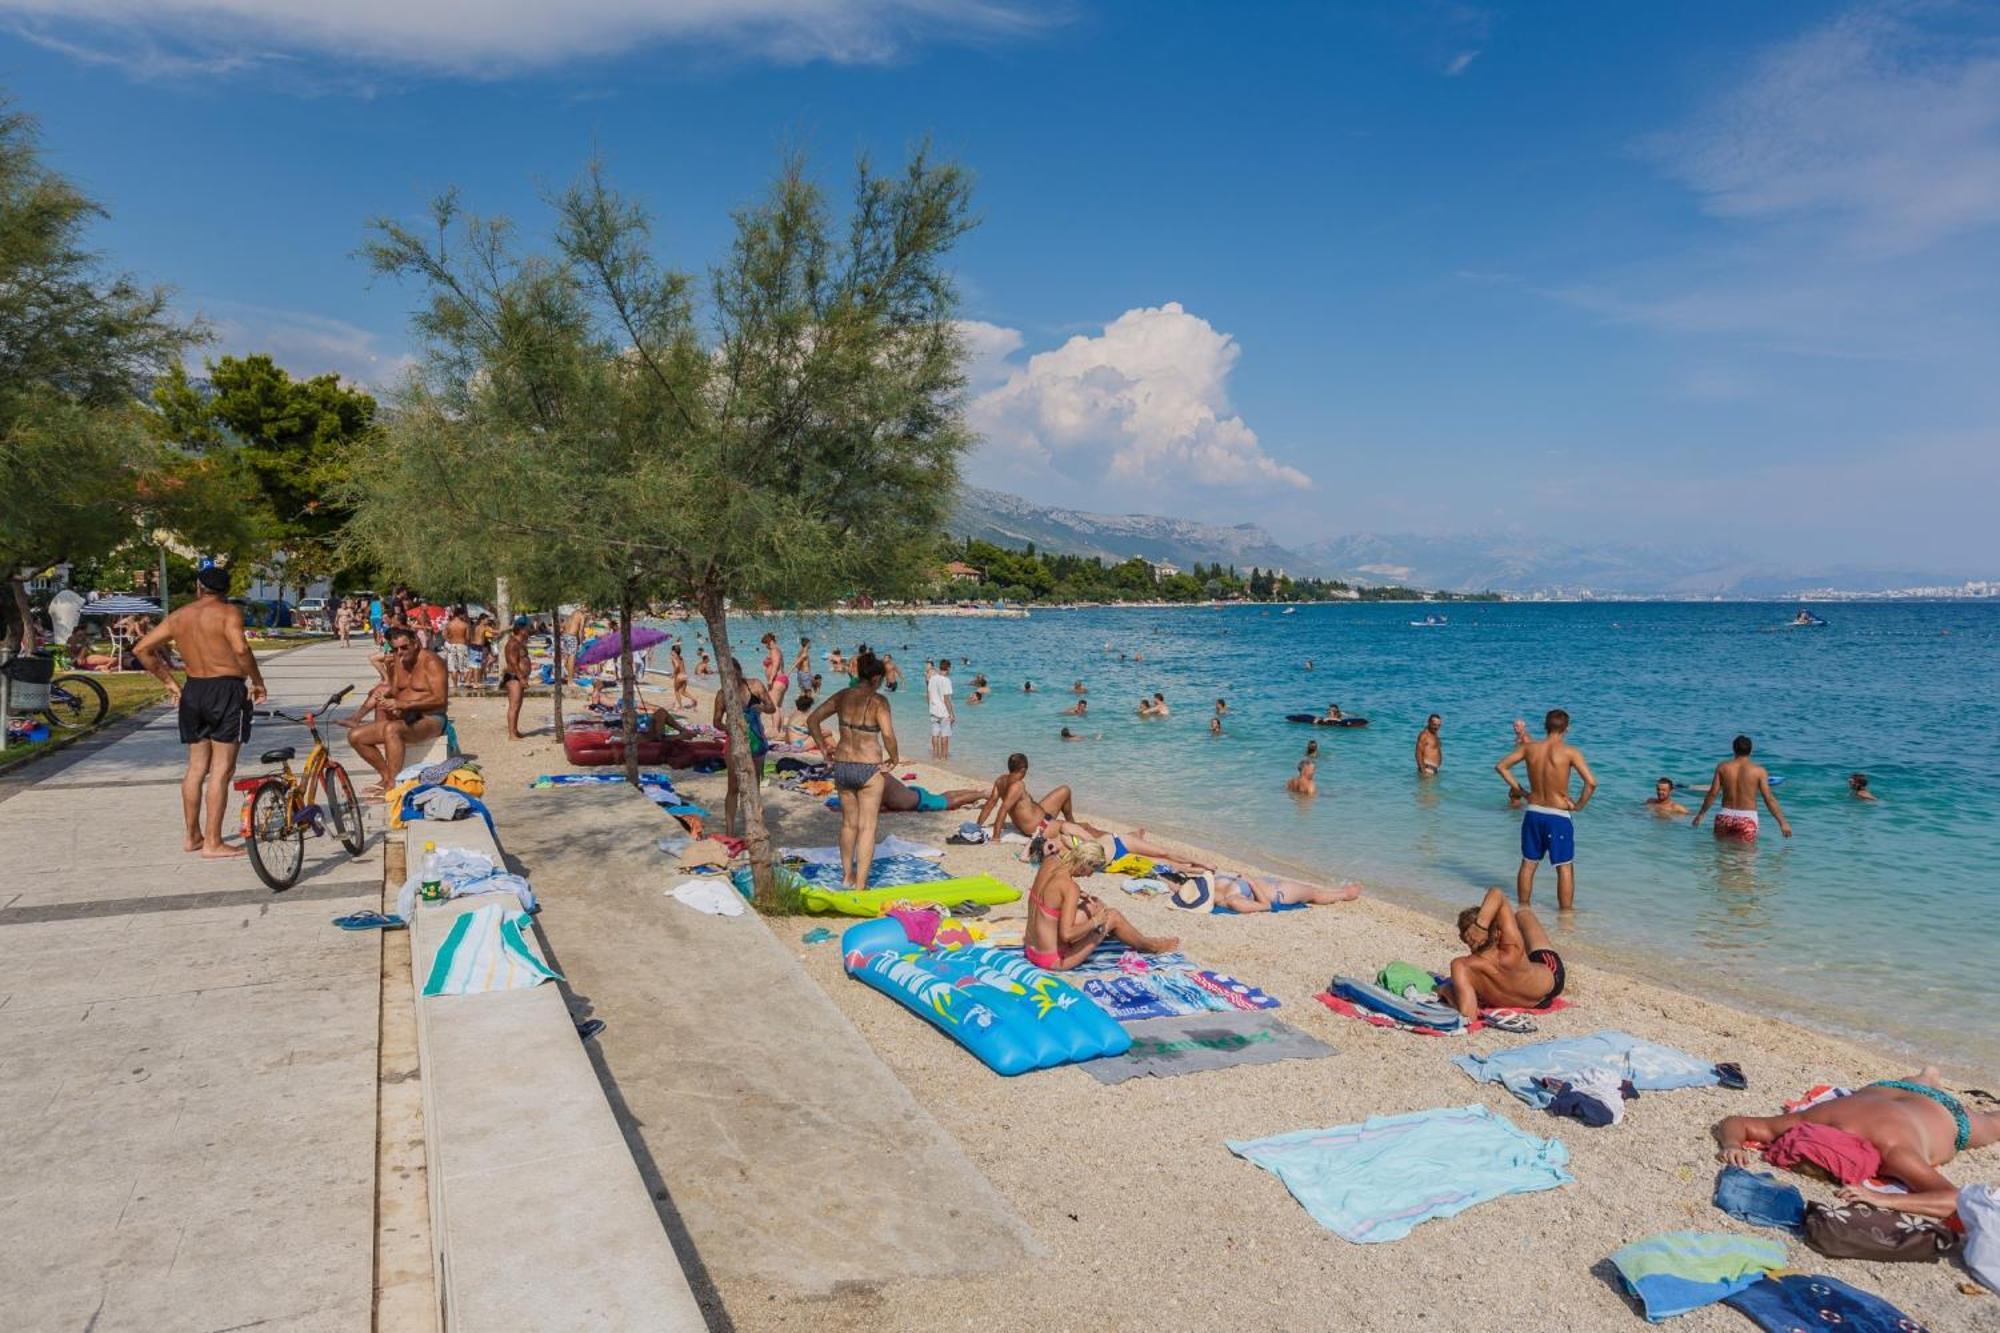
[{"x": 488, "y": 948}]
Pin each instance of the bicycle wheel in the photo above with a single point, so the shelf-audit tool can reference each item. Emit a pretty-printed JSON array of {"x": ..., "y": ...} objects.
[
  {"x": 277, "y": 846},
  {"x": 76, "y": 703},
  {"x": 343, "y": 810}
]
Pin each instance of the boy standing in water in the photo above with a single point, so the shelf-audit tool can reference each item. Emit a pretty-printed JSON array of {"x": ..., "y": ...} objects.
[
  {"x": 1546, "y": 829},
  {"x": 1739, "y": 781}
]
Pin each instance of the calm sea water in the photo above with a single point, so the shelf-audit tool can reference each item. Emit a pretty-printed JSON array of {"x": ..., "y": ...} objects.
[{"x": 1881, "y": 919}]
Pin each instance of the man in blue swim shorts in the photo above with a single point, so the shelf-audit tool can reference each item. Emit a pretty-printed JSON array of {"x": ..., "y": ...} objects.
[{"x": 1546, "y": 829}]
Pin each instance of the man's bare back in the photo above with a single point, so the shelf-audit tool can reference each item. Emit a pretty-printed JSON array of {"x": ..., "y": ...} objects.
[
  {"x": 1550, "y": 761},
  {"x": 1739, "y": 783},
  {"x": 1914, "y": 1134},
  {"x": 209, "y": 635}
]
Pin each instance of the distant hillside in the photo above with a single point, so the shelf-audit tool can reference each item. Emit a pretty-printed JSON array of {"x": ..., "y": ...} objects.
[
  {"x": 1455, "y": 564},
  {"x": 1008, "y": 520}
]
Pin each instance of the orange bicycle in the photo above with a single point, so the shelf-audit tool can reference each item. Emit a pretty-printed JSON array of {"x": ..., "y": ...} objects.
[{"x": 280, "y": 808}]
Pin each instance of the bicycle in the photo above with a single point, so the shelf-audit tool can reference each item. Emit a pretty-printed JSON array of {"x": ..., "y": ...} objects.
[
  {"x": 279, "y": 809},
  {"x": 76, "y": 703}
]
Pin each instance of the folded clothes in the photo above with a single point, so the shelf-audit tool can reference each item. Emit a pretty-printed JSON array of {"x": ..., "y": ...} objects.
[
  {"x": 1810, "y": 1301},
  {"x": 1759, "y": 1198},
  {"x": 1400, "y": 978},
  {"x": 1595, "y": 1096},
  {"x": 487, "y": 949},
  {"x": 1847, "y": 1159},
  {"x": 1650, "y": 1067},
  {"x": 1378, "y": 1180},
  {"x": 1679, "y": 1271}
]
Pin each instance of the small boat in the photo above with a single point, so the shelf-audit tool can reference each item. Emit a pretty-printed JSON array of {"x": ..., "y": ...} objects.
[
  {"x": 1805, "y": 620},
  {"x": 1289, "y": 611},
  {"x": 1430, "y": 622}
]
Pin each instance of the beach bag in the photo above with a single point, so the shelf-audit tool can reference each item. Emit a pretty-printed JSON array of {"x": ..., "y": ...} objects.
[{"x": 1863, "y": 1231}]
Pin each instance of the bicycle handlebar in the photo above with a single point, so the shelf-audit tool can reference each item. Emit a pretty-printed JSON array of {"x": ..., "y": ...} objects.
[{"x": 326, "y": 707}]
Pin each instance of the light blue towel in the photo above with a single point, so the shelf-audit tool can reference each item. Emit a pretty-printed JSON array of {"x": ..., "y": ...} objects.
[
  {"x": 1651, "y": 1068},
  {"x": 1377, "y": 1180},
  {"x": 1678, "y": 1271}
]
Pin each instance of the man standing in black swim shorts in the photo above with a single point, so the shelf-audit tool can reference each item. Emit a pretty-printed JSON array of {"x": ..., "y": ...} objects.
[{"x": 222, "y": 683}]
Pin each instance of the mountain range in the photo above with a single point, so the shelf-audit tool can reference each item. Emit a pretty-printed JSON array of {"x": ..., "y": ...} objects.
[{"x": 1475, "y": 563}]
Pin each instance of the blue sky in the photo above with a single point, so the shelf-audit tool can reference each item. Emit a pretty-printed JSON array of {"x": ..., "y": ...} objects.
[{"x": 1688, "y": 274}]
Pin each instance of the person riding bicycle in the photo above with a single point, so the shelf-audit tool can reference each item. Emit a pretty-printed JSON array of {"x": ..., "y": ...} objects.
[{"x": 222, "y": 683}]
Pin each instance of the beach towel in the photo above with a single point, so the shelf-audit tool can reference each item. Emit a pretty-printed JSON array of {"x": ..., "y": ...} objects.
[
  {"x": 1350, "y": 1009},
  {"x": 1758, "y": 1197},
  {"x": 1844, "y": 1158},
  {"x": 1678, "y": 1271},
  {"x": 487, "y": 949},
  {"x": 890, "y": 846},
  {"x": 466, "y": 884},
  {"x": 1167, "y": 1047},
  {"x": 883, "y": 873},
  {"x": 1811, "y": 1301},
  {"x": 1863, "y": 1231},
  {"x": 1378, "y": 1180},
  {"x": 1979, "y": 1210},
  {"x": 716, "y": 897},
  {"x": 1650, "y": 1067}
]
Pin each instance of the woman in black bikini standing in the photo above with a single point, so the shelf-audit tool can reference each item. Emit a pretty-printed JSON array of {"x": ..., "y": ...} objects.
[{"x": 865, "y": 751}]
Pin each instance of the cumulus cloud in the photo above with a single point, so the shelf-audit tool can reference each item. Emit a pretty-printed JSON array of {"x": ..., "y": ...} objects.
[
  {"x": 1889, "y": 129},
  {"x": 490, "y": 37},
  {"x": 1144, "y": 404}
]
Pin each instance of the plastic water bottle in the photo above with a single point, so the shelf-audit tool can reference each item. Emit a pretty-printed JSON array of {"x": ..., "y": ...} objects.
[{"x": 431, "y": 887}]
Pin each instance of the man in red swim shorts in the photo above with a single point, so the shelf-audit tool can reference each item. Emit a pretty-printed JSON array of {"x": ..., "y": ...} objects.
[{"x": 1739, "y": 781}]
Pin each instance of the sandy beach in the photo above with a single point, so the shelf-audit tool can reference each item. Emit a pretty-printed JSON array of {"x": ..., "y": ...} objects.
[{"x": 1149, "y": 1221}]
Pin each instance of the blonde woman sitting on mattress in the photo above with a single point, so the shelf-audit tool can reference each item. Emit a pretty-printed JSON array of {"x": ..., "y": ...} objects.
[{"x": 1064, "y": 922}]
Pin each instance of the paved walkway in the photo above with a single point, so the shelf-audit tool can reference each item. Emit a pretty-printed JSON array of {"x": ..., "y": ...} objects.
[{"x": 187, "y": 1060}]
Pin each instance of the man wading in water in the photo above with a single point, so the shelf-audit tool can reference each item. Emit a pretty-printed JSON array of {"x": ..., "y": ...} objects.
[{"x": 222, "y": 683}]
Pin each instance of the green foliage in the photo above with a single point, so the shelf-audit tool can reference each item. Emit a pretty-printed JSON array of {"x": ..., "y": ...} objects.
[
  {"x": 80, "y": 471},
  {"x": 1024, "y": 576}
]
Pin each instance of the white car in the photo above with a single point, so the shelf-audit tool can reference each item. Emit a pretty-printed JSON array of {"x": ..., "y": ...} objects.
[{"x": 311, "y": 613}]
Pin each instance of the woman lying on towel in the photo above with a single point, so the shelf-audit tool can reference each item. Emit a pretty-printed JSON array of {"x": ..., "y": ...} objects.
[
  {"x": 1267, "y": 893},
  {"x": 1117, "y": 846},
  {"x": 1065, "y": 923},
  {"x": 1512, "y": 964}
]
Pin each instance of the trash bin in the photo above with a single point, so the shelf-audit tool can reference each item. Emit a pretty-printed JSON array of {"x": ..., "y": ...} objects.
[{"x": 28, "y": 683}]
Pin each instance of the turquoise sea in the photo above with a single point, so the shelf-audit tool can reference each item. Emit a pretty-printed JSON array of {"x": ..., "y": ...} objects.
[{"x": 1879, "y": 919}]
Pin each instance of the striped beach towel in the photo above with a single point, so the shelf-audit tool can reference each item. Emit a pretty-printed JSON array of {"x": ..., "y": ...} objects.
[{"x": 489, "y": 948}]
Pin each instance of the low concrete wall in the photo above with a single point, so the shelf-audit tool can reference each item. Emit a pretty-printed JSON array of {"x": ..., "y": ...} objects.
[{"x": 539, "y": 1217}]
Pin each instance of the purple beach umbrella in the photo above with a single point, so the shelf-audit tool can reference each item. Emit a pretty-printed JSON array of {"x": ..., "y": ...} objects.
[{"x": 605, "y": 646}]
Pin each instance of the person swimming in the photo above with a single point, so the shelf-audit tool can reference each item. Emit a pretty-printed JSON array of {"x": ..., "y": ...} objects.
[
  {"x": 1857, "y": 786},
  {"x": 1306, "y": 781},
  {"x": 1662, "y": 802},
  {"x": 1080, "y": 708}
]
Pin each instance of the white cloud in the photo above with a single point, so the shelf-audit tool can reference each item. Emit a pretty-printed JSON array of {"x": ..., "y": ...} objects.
[
  {"x": 1144, "y": 405},
  {"x": 489, "y": 37},
  {"x": 1888, "y": 130},
  {"x": 1460, "y": 63},
  {"x": 304, "y": 344},
  {"x": 987, "y": 348}
]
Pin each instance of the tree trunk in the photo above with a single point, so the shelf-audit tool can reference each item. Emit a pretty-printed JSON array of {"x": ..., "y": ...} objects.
[
  {"x": 556, "y": 668},
  {"x": 628, "y": 687},
  {"x": 764, "y": 881},
  {"x": 18, "y": 596}
]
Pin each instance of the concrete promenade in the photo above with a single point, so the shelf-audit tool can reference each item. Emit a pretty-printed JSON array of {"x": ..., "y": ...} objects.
[{"x": 188, "y": 1061}]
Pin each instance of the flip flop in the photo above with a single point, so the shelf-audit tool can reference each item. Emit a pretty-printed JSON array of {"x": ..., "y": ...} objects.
[
  {"x": 369, "y": 921},
  {"x": 1519, "y": 1023},
  {"x": 589, "y": 1028}
]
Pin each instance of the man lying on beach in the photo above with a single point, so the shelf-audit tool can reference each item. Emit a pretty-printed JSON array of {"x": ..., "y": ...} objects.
[
  {"x": 1511, "y": 963},
  {"x": 1306, "y": 781},
  {"x": 1913, "y": 1122},
  {"x": 1430, "y": 750},
  {"x": 1662, "y": 802},
  {"x": 1008, "y": 799},
  {"x": 903, "y": 797},
  {"x": 1065, "y": 924},
  {"x": 1266, "y": 893},
  {"x": 1739, "y": 781},
  {"x": 1546, "y": 828}
]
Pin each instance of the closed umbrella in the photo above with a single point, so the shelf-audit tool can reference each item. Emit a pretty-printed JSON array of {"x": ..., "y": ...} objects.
[
  {"x": 120, "y": 604},
  {"x": 605, "y": 646}
]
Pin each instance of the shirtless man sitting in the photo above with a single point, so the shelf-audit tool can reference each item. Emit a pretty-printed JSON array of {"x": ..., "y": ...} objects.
[
  {"x": 222, "y": 683},
  {"x": 1512, "y": 963},
  {"x": 1913, "y": 1122},
  {"x": 411, "y": 712},
  {"x": 1008, "y": 799},
  {"x": 1546, "y": 827},
  {"x": 1662, "y": 802},
  {"x": 1739, "y": 781}
]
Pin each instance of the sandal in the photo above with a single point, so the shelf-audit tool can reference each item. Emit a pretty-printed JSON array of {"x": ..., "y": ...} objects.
[{"x": 369, "y": 921}]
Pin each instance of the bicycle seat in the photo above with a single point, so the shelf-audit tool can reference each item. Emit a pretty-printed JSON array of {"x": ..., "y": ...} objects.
[{"x": 278, "y": 756}]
